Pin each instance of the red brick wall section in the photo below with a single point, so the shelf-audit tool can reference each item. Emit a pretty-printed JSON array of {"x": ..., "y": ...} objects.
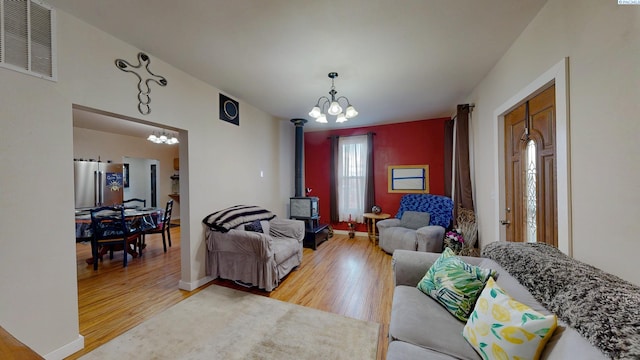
[{"x": 409, "y": 143}]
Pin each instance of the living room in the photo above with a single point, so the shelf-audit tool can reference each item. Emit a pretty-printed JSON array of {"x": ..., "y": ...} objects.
[{"x": 39, "y": 297}]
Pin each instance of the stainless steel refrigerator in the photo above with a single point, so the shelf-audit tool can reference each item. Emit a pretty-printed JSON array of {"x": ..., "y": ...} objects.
[{"x": 97, "y": 183}]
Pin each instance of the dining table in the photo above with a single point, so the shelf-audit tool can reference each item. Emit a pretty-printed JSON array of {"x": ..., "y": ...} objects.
[{"x": 138, "y": 220}]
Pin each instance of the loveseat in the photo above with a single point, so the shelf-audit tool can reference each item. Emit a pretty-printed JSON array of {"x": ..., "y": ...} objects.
[
  {"x": 251, "y": 246},
  {"x": 598, "y": 314}
]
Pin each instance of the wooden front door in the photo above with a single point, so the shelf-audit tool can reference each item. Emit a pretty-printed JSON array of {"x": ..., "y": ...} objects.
[{"x": 530, "y": 171}]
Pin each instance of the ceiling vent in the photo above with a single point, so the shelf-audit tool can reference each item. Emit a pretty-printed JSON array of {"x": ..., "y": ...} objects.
[{"x": 27, "y": 42}]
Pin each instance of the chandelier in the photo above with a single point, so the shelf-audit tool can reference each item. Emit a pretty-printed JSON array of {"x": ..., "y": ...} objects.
[
  {"x": 163, "y": 138},
  {"x": 334, "y": 107}
]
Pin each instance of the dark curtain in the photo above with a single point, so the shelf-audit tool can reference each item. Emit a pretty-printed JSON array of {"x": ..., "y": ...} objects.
[
  {"x": 448, "y": 156},
  {"x": 369, "y": 197},
  {"x": 463, "y": 196},
  {"x": 333, "y": 180}
]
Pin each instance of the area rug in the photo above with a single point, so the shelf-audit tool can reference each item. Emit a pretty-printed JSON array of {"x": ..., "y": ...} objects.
[{"x": 222, "y": 323}]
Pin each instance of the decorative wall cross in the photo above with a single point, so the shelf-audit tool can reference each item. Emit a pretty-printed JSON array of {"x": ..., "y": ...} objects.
[{"x": 144, "y": 77}]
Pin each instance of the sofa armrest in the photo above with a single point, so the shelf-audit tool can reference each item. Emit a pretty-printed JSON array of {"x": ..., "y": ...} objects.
[
  {"x": 409, "y": 267},
  {"x": 287, "y": 228},
  {"x": 429, "y": 238},
  {"x": 387, "y": 223}
]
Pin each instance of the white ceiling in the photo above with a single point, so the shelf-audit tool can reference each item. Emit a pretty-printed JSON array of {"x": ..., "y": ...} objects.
[{"x": 397, "y": 60}]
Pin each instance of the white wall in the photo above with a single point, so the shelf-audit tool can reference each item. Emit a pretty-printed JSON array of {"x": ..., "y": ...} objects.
[
  {"x": 220, "y": 166},
  {"x": 602, "y": 41},
  {"x": 139, "y": 180}
]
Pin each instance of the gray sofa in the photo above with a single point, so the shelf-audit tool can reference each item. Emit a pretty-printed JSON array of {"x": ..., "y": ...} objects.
[
  {"x": 597, "y": 319},
  {"x": 260, "y": 259}
]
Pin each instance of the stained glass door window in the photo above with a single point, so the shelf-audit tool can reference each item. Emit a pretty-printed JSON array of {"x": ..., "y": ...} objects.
[{"x": 531, "y": 192}]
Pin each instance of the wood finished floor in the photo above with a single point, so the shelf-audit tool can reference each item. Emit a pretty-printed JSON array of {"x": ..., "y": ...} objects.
[{"x": 350, "y": 277}]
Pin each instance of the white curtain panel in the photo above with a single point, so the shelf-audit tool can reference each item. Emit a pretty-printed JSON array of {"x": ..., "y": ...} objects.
[{"x": 352, "y": 177}]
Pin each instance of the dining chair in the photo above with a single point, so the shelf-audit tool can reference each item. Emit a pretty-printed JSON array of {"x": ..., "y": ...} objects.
[
  {"x": 163, "y": 226},
  {"x": 136, "y": 206},
  {"x": 110, "y": 229},
  {"x": 144, "y": 202}
]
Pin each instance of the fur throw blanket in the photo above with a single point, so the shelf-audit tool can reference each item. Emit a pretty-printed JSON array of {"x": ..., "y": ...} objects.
[{"x": 603, "y": 308}]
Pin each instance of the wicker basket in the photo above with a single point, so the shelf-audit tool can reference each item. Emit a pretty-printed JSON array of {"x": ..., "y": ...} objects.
[{"x": 467, "y": 224}]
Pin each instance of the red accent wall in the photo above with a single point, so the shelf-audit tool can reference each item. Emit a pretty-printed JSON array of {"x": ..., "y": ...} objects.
[{"x": 409, "y": 143}]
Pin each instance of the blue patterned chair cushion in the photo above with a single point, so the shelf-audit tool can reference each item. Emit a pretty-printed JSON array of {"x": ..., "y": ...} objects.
[{"x": 439, "y": 207}]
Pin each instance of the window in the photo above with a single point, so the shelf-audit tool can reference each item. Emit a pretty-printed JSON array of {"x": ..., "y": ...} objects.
[
  {"x": 531, "y": 192},
  {"x": 352, "y": 177},
  {"x": 26, "y": 37}
]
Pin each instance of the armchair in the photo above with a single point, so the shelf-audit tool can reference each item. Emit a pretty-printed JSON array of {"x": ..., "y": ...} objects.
[
  {"x": 249, "y": 245},
  {"x": 419, "y": 224}
]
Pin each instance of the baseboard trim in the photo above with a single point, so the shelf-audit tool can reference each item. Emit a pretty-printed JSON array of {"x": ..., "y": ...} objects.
[
  {"x": 72, "y": 347},
  {"x": 190, "y": 286},
  {"x": 345, "y": 232}
]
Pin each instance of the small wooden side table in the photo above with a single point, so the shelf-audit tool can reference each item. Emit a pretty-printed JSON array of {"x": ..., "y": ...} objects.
[{"x": 370, "y": 219}]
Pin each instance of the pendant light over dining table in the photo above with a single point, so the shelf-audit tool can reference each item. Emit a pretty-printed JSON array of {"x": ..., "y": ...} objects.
[
  {"x": 334, "y": 106},
  {"x": 163, "y": 138}
]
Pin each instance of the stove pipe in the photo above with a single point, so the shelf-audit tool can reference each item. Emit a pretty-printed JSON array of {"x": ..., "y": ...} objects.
[{"x": 299, "y": 123}]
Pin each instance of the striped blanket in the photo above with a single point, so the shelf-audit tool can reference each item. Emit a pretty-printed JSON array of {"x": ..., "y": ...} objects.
[{"x": 227, "y": 219}]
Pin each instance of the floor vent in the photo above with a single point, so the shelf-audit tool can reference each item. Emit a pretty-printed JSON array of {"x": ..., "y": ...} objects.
[{"x": 27, "y": 42}]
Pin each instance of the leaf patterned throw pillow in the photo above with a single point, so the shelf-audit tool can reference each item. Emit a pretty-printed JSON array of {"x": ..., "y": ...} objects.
[
  {"x": 455, "y": 284},
  {"x": 503, "y": 328}
]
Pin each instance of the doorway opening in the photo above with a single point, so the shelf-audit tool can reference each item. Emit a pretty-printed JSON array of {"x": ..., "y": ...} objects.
[
  {"x": 153, "y": 184},
  {"x": 107, "y": 136}
]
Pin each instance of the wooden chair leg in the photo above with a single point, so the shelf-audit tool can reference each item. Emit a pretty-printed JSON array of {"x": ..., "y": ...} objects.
[
  {"x": 125, "y": 254},
  {"x": 94, "y": 250},
  {"x": 164, "y": 242},
  {"x": 168, "y": 228},
  {"x": 140, "y": 244}
]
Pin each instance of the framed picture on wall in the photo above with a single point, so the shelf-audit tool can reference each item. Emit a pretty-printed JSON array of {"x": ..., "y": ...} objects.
[{"x": 408, "y": 179}]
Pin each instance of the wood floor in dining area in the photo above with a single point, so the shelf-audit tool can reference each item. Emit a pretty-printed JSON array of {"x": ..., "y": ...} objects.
[{"x": 350, "y": 277}]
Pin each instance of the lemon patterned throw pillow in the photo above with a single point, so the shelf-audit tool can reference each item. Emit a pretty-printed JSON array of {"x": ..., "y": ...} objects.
[{"x": 502, "y": 328}]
